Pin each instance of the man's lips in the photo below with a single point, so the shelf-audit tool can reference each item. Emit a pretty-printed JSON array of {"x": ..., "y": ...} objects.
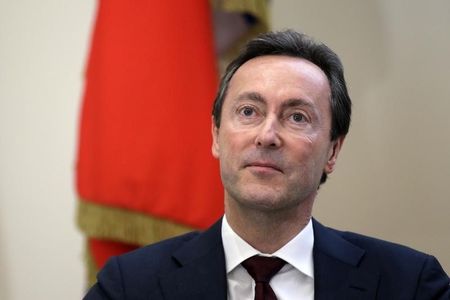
[{"x": 266, "y": 165}]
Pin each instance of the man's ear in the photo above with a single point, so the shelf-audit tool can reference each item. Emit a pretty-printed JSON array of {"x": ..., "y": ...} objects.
[
  {"x": 333, "y": 154},
  {"x": 215, "y": 139}
]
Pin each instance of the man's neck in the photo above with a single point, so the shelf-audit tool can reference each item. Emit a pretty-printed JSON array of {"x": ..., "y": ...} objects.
[{"x": 268, "y": 231}]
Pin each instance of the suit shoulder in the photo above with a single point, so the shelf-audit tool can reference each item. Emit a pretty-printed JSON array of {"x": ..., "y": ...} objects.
[
  {"x": 388, "y": 256},
  {"x": 393, "y": 261},
  {"x": 157, "y": 253},
  {"x": 134, "y": 275},
  {"x": 152, "y": 260},
  {"x": 380, "y": 247}
]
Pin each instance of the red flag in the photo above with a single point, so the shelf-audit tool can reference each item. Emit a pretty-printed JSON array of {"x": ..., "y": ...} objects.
[{"x": 144, "y": 139}]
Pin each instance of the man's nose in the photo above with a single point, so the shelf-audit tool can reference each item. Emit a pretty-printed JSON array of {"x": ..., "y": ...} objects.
[{"x": 268, "y": 134}]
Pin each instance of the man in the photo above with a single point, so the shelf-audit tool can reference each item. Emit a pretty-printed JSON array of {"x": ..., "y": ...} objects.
[{"x": 279, "y": 122}]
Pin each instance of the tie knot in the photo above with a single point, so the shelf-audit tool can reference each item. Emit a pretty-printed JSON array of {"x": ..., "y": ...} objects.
[{"x": 263, "y": 268}]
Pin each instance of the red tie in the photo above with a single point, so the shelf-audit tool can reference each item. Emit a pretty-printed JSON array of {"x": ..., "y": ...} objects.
[{"x": 262, "y": 269}]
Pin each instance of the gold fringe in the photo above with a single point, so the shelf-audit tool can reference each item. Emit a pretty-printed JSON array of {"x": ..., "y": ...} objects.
[
  {"x": 115, "y": 224},
  {"x": 256, "y": 8}
]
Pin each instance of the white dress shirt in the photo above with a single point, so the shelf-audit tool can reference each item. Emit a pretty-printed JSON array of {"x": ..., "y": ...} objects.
[{"x": 294, "y": 281}]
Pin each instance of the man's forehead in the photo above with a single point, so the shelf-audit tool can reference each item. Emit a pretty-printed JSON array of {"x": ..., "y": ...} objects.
[
  {"x": 266, "y": 60},
  {"x": 288, "y": 71}
]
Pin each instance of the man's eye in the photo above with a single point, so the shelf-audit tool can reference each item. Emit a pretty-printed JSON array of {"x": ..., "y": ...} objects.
[
  {"x": 247, "y": 111},
  {"x": 297, "y": 117}
]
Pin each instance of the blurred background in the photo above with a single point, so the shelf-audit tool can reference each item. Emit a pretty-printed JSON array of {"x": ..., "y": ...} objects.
[{"x": 392, "y": 179}]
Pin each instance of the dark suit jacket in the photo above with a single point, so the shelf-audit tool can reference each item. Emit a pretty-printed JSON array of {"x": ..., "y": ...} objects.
[{"x": 346, "y": 266}]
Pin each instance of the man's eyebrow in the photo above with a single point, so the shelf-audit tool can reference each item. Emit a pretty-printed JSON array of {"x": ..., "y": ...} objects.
[
  {"x": 254, "y": 96},
  {"x": 297, "y": 102},
  {"x": 292, "y": 102}
]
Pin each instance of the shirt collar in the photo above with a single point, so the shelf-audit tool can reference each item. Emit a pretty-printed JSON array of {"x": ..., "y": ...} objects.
[{"x": 298, "y": 252}]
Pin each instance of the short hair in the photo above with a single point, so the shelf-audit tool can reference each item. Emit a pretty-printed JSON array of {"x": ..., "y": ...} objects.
[{"x": 295, "y": 44}]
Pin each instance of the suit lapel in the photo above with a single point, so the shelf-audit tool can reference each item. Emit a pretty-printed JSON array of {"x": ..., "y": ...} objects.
[
  {"x": 202, "y": 272},
  {"x": 338, "y": 271}
]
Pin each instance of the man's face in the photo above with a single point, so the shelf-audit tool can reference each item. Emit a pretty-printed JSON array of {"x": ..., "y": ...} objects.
[{"x": 274, "y": 139}]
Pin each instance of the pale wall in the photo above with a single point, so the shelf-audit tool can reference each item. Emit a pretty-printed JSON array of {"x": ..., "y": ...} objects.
[
  {"x": 392, "y": 177},
  {"x": 42, "y": 53}
]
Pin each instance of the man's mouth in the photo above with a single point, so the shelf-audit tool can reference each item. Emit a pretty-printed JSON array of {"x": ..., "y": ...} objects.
[{"x": 268, "y": 166}]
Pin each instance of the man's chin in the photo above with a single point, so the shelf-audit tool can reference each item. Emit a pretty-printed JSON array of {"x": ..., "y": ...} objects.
[{"x": 260, "y": 197}]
